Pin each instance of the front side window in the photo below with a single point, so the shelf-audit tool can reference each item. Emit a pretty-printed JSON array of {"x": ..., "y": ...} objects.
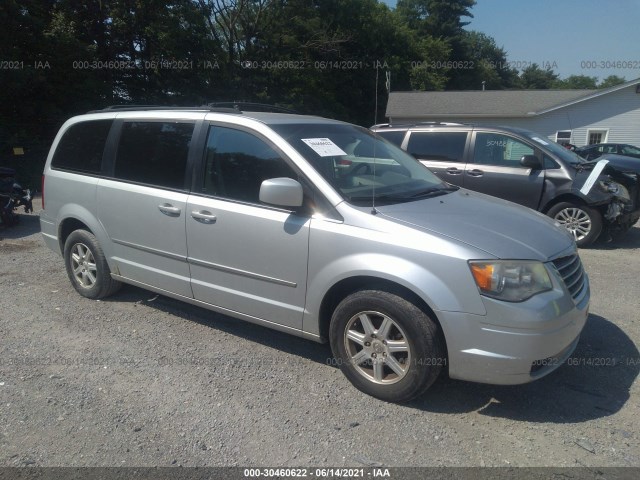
[
  {"x": 154, "y": 153},
  {"x": 80, "y": 148},
  {"x": 442, "y": 146},
  {"x": 550, "y": 163},
  {"x": 500, "y": 150},
  {"x": 361, "y": 166},
  {"x": 237, "y": 163}
]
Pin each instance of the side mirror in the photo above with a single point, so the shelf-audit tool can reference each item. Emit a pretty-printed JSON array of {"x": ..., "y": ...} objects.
[
  {"x": 281, "y": 192},
  {"x": 531, "y": 161}
]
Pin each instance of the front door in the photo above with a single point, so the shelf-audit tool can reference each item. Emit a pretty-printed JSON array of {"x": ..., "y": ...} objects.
[
  {"x": 495, "y": 169},
  {"x": 246, "y": 256}
]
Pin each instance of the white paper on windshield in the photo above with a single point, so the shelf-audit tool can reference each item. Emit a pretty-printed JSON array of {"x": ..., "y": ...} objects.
[
  {"x": 595, "y": 173},
  {"x": 324, "y": 147},
  {"x": 539, "y": 140}
]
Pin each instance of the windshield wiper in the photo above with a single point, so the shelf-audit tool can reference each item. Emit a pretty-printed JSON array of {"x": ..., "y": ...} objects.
[
  {"x": 434, "y": 192},
  {"x": 394, "y": 197}
]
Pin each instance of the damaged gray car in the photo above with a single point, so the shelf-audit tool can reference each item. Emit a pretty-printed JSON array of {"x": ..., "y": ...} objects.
[{"x": 590, "y": 199}]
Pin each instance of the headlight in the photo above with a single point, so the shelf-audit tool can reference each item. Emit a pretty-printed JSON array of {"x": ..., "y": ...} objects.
[{"x": 510, "y": 280}]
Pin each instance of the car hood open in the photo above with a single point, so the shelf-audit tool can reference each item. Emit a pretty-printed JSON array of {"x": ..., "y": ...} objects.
[{"x": 500, "y": 228}]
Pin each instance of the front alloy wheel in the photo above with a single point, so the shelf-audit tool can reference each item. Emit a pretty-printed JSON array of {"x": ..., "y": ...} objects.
[
  {"x": 576, "y": 221},
  {"x": 584, "y": 223},
  {"x": 386, "y": 345},
  {"x": 378, "y": 347}
]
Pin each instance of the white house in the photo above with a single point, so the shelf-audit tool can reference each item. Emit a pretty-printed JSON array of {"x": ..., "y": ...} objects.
[{"x": 580, "y": 117}]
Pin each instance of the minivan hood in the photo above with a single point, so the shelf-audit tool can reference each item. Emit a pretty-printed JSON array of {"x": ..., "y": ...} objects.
[{"x": 503, "y": 229}]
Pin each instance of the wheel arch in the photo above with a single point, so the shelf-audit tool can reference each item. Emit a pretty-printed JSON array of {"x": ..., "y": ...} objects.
[
  {"x": 578, "y": 199},
  {"x": 73, "y": 217},
  {"x": 565, "y": 197},
  {"x": 345, "y": 287},
  {"x": 67, "y": 227}
]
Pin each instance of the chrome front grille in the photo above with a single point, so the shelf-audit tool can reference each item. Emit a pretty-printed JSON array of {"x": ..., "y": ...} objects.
[{"x": 571, "y": 271}]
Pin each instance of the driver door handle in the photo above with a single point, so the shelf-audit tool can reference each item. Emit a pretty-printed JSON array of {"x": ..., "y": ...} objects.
[
  {"x": 204, "y": 216},
  {"x": 475, "y": 173},
  {"x": 453, "y": 171},
  {"x": 169, "y": 209}
]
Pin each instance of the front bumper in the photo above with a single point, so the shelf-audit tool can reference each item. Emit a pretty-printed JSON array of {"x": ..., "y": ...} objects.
[{"x": 515, "y": 343}]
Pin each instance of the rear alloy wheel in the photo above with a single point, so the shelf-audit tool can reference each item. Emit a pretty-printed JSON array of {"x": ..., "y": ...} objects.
[
  {"x": 385, "y": 345},
  {"x": 584, "y": 223},
  {"x": 87, "y": 266}
]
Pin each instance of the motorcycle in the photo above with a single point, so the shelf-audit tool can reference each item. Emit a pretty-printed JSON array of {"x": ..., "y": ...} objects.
[{"x": 12, "y": 196}]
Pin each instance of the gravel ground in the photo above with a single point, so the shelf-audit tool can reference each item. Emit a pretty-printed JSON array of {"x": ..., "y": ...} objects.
[{"x": 143, "y": 380}]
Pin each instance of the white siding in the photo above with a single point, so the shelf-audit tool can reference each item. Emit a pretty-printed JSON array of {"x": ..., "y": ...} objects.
[{"x": 618, "y": 112}]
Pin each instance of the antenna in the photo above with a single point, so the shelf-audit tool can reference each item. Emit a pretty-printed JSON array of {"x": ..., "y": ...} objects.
[
  {"x": 373, "y": 190},
  {"x": 375, "y": 113},
  {"x": 375, "y": 120}
]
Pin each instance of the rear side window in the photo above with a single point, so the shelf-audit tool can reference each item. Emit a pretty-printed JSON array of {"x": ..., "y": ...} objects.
[
  {"x": 394, "y": 137},
  {"x": 81, "y": 147},
  {"x": 441, "y": 146},
  {"x": 154, "y": 153}
]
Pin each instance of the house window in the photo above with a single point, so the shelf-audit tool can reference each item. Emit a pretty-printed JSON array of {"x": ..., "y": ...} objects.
[
  {"x": 563, "y": 137},
  {"x": 596, "y": 136}
]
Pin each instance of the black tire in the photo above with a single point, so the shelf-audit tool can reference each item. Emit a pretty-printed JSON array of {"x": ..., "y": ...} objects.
[
  {"x": 413, "y": 371},
  {"x": 584, "y": 223},
  {"x": 87, "y": 266}
]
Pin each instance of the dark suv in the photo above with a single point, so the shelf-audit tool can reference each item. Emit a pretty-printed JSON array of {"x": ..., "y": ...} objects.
[
  {"x": 591, "y": 152},
  {"x": 527, "y": 168}
]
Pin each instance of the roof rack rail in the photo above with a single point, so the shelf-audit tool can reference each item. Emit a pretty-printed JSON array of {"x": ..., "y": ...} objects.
[
  {"x": 417, "y": 124},
  {"x": 252, "y": 107},
  {"x": 439, "y": 123},
  {"x": 134, "y": 108}
]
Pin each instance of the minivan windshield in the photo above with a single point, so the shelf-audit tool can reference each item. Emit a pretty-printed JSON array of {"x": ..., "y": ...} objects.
[
  {"x": 361, "y": 166},
  {"x": 557, "y": 149}
]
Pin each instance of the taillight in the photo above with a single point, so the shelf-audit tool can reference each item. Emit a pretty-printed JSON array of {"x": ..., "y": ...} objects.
[{"x": 42, "y": 189}]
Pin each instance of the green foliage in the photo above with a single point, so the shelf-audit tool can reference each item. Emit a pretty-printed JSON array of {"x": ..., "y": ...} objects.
[
  {"x": 611, "y": 81},
  {"x": 577, "y": 82},
  {"x": 325, "y": 57},
  {"x": 534, "y": 77}
]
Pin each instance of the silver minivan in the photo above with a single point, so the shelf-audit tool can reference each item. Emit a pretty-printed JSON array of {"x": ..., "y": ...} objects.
[{"x": 320, "y": 229}]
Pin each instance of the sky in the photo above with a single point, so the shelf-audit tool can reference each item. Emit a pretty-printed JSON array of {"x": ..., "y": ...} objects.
[{"x": 596, "y": 38}]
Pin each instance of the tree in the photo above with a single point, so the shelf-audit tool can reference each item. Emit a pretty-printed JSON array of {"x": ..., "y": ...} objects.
[
  {"x": 611, "y": 81},
  {"x": 486, "y": 63},
  {"x": 444, "y": 18},
  {"x": 577, "y": 82},
  {"x": 533, "y": 77}
]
